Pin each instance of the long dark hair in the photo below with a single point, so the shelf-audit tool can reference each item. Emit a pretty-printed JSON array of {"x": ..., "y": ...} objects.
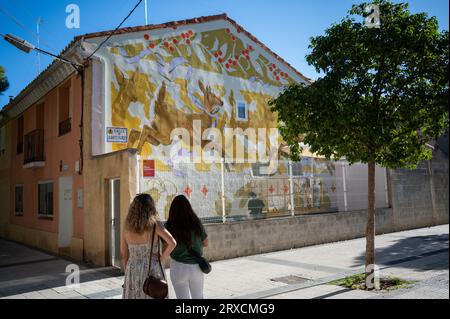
[
  {"x": 142, "y": 214},
  {"x": 183, "y": 221}
]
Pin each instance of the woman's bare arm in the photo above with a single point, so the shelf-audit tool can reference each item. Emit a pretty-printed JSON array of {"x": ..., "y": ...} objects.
[
  {"x": 206, "y": 243},
  {"x": 169, "y": 241},
  {"x": 124, "y": 254}
]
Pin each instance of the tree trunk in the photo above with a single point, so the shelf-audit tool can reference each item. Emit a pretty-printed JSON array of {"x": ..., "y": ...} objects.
[{"x": 370, "y": 231}]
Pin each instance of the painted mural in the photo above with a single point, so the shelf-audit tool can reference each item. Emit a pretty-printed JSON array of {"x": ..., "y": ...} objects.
[{"x": 213, "y": 73}]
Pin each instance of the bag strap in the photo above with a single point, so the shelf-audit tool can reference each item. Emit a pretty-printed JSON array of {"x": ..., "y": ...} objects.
[
  {"x": 151, "y": 255},
  {"x": 159, "y": 261},
  {"x": 151, "y": 250}
]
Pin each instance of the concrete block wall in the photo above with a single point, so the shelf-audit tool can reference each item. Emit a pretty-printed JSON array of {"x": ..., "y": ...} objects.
[
  {"x": 246, "y": 238},
  {"x": 419, "y": 198}
]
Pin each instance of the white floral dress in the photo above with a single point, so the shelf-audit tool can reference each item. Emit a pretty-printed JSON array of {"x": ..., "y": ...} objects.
[{"x": 137, "y": 270}]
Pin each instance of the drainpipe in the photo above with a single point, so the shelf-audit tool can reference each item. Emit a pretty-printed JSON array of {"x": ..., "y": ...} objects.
[{"x": 82, "y": 74}]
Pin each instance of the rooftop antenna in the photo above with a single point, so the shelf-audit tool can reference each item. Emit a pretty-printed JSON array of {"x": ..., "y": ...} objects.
[
  {"x": 38, "y": 23},
  {"x": 146, "y": 12}
]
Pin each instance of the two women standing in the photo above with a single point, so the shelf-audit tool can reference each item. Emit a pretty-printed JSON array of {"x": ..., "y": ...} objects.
[{"x": 184, "y": 237}]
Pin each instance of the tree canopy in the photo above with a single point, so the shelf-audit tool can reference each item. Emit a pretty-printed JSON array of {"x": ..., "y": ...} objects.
[
  {"x": 383, "y": 96},
  {"x": 4, "y": 84},
  {"x": 384, "y": 93}
]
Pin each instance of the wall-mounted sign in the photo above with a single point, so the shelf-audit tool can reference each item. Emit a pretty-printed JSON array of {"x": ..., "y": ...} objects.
[
  {"x": 149, "y": 168},
  {"x": 117, "y": 135}
]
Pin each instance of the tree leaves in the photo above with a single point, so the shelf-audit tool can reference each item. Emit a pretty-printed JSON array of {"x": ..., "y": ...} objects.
[
  {"x": 4, "y": 84},
  {"x": 380, "y": 88}
]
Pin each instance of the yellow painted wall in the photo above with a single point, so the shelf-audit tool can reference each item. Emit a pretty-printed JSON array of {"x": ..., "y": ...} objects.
[{"x": 97, "y": 171}]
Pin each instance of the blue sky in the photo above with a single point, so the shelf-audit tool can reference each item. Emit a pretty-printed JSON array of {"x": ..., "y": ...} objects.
[{"x": 283, "y": 25}]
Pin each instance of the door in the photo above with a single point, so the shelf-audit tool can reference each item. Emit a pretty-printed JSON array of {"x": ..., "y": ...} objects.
[
  {"x": 114, "y": 191},
  {"x": 65, "y": 192}
]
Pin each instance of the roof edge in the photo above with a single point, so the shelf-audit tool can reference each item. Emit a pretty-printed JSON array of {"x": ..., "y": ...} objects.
[{"x": 203, "y": 19}]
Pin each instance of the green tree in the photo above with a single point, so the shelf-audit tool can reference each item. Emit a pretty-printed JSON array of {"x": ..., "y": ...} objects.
[
  {"x": 4, "y": 84},
  {"x": 382, "y": 97}
]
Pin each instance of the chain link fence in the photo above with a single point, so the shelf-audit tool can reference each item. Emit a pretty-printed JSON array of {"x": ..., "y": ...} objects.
[{"x": 228, "y": 192}]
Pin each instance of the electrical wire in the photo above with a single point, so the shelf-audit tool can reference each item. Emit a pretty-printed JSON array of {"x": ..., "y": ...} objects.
[
  {"x": 24, "y": 27},
  {"x": 115, "y": 30}
]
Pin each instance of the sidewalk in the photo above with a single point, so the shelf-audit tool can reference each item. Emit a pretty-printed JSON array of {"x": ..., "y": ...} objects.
[{"x": 419, "y": 255}]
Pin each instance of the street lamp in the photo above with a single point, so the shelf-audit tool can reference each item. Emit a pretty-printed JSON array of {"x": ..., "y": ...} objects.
[{"x": 28, "y": 47}]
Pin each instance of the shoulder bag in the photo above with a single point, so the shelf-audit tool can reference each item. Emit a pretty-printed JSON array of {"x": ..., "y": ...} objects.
[
  {"x": 204, "y": 265},
  {"x": 155, "y": 287}
]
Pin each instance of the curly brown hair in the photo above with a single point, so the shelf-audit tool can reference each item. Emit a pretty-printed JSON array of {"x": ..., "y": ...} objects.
[{"x": 142, "y": 214}]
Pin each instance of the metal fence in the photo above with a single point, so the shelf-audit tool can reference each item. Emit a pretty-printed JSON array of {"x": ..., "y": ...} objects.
[{"x": 229, "y": 192}]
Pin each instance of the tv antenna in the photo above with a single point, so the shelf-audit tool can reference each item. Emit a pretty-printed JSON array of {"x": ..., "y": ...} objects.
[
  {"x": 39, "y": 21},
  {"x": 146, "y": 12}
]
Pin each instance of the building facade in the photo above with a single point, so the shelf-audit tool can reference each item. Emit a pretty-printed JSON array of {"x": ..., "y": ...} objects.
[
  {"x": 149, "y": 114},
  {"x": 74, "y": 146}
]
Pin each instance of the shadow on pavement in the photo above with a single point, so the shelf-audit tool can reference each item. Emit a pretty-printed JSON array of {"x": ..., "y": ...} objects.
[
  {"x": 406, "y": 250},
  {"x": 24, "y": 269}
]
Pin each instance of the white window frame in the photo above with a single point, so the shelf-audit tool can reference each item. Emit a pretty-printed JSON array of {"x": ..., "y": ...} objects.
[{"x": 246, "y": 111}]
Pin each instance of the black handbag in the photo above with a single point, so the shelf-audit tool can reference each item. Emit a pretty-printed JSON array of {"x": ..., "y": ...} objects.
[
  {"x": 155, "y": 287},
  {"x": 204, "y": 265}
]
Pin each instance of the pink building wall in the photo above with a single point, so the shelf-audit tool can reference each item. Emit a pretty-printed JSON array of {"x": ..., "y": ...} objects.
[{"x": 63, "y": 148}]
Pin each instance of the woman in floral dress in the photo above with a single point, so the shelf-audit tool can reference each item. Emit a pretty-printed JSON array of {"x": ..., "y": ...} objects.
[{"x": 136, "y": 246}]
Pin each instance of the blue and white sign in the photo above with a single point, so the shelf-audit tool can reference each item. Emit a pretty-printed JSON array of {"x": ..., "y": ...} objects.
[{"x": 117, "y": 135}]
